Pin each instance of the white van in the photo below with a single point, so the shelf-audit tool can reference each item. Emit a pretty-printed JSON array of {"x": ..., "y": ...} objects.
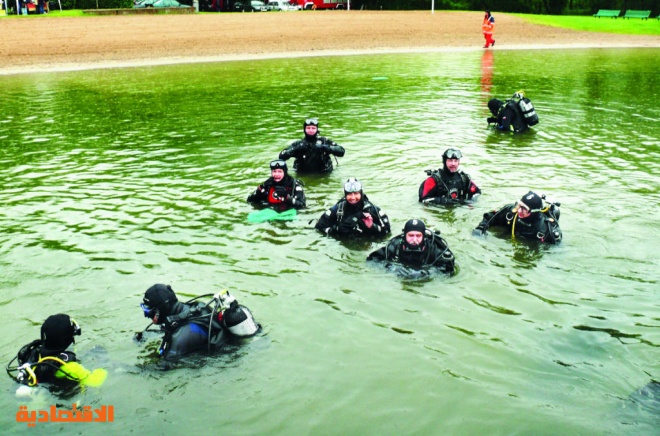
[{"x": 277, "y": 5}]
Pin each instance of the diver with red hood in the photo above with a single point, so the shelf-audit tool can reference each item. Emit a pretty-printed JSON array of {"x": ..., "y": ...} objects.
[
  {"x": 313, "y": 152},
  {"x": 529, "y": 218}
]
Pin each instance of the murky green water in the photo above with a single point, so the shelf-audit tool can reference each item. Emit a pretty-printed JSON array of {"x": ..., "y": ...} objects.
[{"x": 113, "y": 180}]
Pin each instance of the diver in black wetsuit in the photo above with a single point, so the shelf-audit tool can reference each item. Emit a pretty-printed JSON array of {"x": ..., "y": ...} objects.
[
  {"x": 194, "y": 325},
  {"x": 529, "y": 218},
  {"x": 48, "y": 360},
  {"x": 354, "y": 215},
  {"x": 418, "y": 248},
  {"x": 313, "y": 152},
  {"x": 506, "y": 116},
  {"x": 448, "y": 185},
  {"x": 280, "y": 191}
]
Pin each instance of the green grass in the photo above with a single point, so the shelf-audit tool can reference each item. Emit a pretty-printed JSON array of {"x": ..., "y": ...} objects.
[
  {"x": 633, "y": 26},
  {"x": 54, "y": 12}
]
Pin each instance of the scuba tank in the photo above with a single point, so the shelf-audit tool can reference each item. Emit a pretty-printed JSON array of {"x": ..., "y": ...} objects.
[
  {"x": 239, "y": 320},
  {"x": 527, "y": 108}
]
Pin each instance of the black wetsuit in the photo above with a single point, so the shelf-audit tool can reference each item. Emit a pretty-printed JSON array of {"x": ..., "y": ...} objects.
[
  {"x": 313, "y": 154},
  {"x": 188, "y": 330},
  {"x": 444, "y": 187},
  {"x": 37, "y": 355},
  {"x": 285, "y": 194},
  {"x": 434, "y": 252},
  {"x": 539, "y": 226},
  {"x": 507, "y": 116},
  {"x": 346, "y": 219}
]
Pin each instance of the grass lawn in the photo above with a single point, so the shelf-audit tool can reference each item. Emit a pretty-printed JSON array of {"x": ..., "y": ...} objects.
[
  {"x": 54, "y": 12},
  {"x": 633, "y": 26}
]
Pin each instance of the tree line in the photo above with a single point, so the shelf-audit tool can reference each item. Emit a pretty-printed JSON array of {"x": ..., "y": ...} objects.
[{"x": 551, "y": 7}]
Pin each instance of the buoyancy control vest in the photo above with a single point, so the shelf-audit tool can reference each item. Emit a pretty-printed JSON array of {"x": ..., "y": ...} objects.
[{"x": 214, "y": 319}]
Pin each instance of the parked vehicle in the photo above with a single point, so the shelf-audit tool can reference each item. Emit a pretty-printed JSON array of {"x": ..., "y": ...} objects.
[
  {"x": 160, "y": 4},
  {"x": 278, "y": 5},
  {"x": 250, "y": 6},
  {"x": 322, "y": 4}
]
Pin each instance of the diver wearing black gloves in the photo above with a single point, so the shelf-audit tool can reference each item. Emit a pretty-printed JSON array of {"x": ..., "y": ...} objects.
[
  {"x": 280, "y": 191},
  {"x": 313, "y": 152},
  {"x": 354, "y": 215},
  {"x": 529, "y": 218},
  {"x": 448, "y": 185},
  {"x": 194, "y": 325},
  {"x": 418, "y": 248}
]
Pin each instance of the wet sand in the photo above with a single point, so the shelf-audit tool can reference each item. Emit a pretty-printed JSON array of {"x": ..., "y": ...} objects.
[{"x": 69, "y": 43}]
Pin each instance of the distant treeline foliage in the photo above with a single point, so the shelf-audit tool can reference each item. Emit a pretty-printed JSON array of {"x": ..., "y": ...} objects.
[{"x": 552, "y": 7}]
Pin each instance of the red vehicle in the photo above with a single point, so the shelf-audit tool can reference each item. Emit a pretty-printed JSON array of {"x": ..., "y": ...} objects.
[{"x": 322, "y": 4}]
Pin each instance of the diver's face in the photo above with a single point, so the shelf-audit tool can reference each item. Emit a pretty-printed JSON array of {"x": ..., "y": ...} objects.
[
  {"x": 353, "y": 197},
  {"x": 414, "y": 238},
  {"x": 311, "y": 130},
  {"x": 452, "y": 165},
  {"x": 523, "y": 212},
  {"x": 277, "y": 174}
]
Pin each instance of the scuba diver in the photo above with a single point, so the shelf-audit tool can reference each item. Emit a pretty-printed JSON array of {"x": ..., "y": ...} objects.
[
  {"x": 514, "y": 115},
  {"x": 194, "y": 325},
  {"x": 448, "y": 185},
  {"x": 528, "y": 218},
  {"x": 354, "y": 215},
  {"x": 47, "y": 360},
  {"x": 313, "y": 152},
  {"x": 418, "y": 248},
  {"x": 281, "y": 191}
]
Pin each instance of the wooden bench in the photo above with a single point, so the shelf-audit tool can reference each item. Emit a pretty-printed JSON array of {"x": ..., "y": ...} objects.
[
  {"x": 607, "y": 13},
  {"x": 644, "y": 15}
]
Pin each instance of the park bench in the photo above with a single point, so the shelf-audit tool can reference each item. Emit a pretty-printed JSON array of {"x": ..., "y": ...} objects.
[
  {"x": 607, "y": 13},
  {"x": 644, "y": 15}
]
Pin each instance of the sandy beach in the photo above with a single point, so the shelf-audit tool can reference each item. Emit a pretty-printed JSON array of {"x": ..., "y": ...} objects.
[{"x": 46, "y": 43}]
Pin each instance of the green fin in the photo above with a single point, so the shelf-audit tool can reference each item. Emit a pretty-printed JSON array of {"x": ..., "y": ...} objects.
[{"x": 260, "y": 216}]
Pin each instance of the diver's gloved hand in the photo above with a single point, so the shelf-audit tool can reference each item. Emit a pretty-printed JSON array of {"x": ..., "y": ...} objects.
[
  {"x": 323, "y": 146},
  {"x": 349, "y": 225},
  {"x": 491, "y": 120},
  {"x": 480, "y": 230},
  {"x": 438, "y": 200},
  {"x": 280, "y": 192}
]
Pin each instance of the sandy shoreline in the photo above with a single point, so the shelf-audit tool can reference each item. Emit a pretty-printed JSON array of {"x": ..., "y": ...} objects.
[{"x": 123, "y": 41}]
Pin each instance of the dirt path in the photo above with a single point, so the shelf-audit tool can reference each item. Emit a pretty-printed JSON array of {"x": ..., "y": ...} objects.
[{"x": 50, "y": 43}]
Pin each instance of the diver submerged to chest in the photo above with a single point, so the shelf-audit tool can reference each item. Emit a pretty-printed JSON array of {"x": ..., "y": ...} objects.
[
  {"x": 195, "y": 325},
  {"x": 48, "y": 359}
]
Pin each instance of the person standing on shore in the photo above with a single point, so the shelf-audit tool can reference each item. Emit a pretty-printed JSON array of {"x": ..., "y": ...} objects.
[{"x": 488, "y": 27}]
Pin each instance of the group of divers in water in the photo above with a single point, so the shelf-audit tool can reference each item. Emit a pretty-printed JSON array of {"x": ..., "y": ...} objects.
[{"x": 196, "y": 325}]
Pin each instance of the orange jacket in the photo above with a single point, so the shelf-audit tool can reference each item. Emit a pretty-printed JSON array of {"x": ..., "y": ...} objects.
[{"x": 488, "y": 25}]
